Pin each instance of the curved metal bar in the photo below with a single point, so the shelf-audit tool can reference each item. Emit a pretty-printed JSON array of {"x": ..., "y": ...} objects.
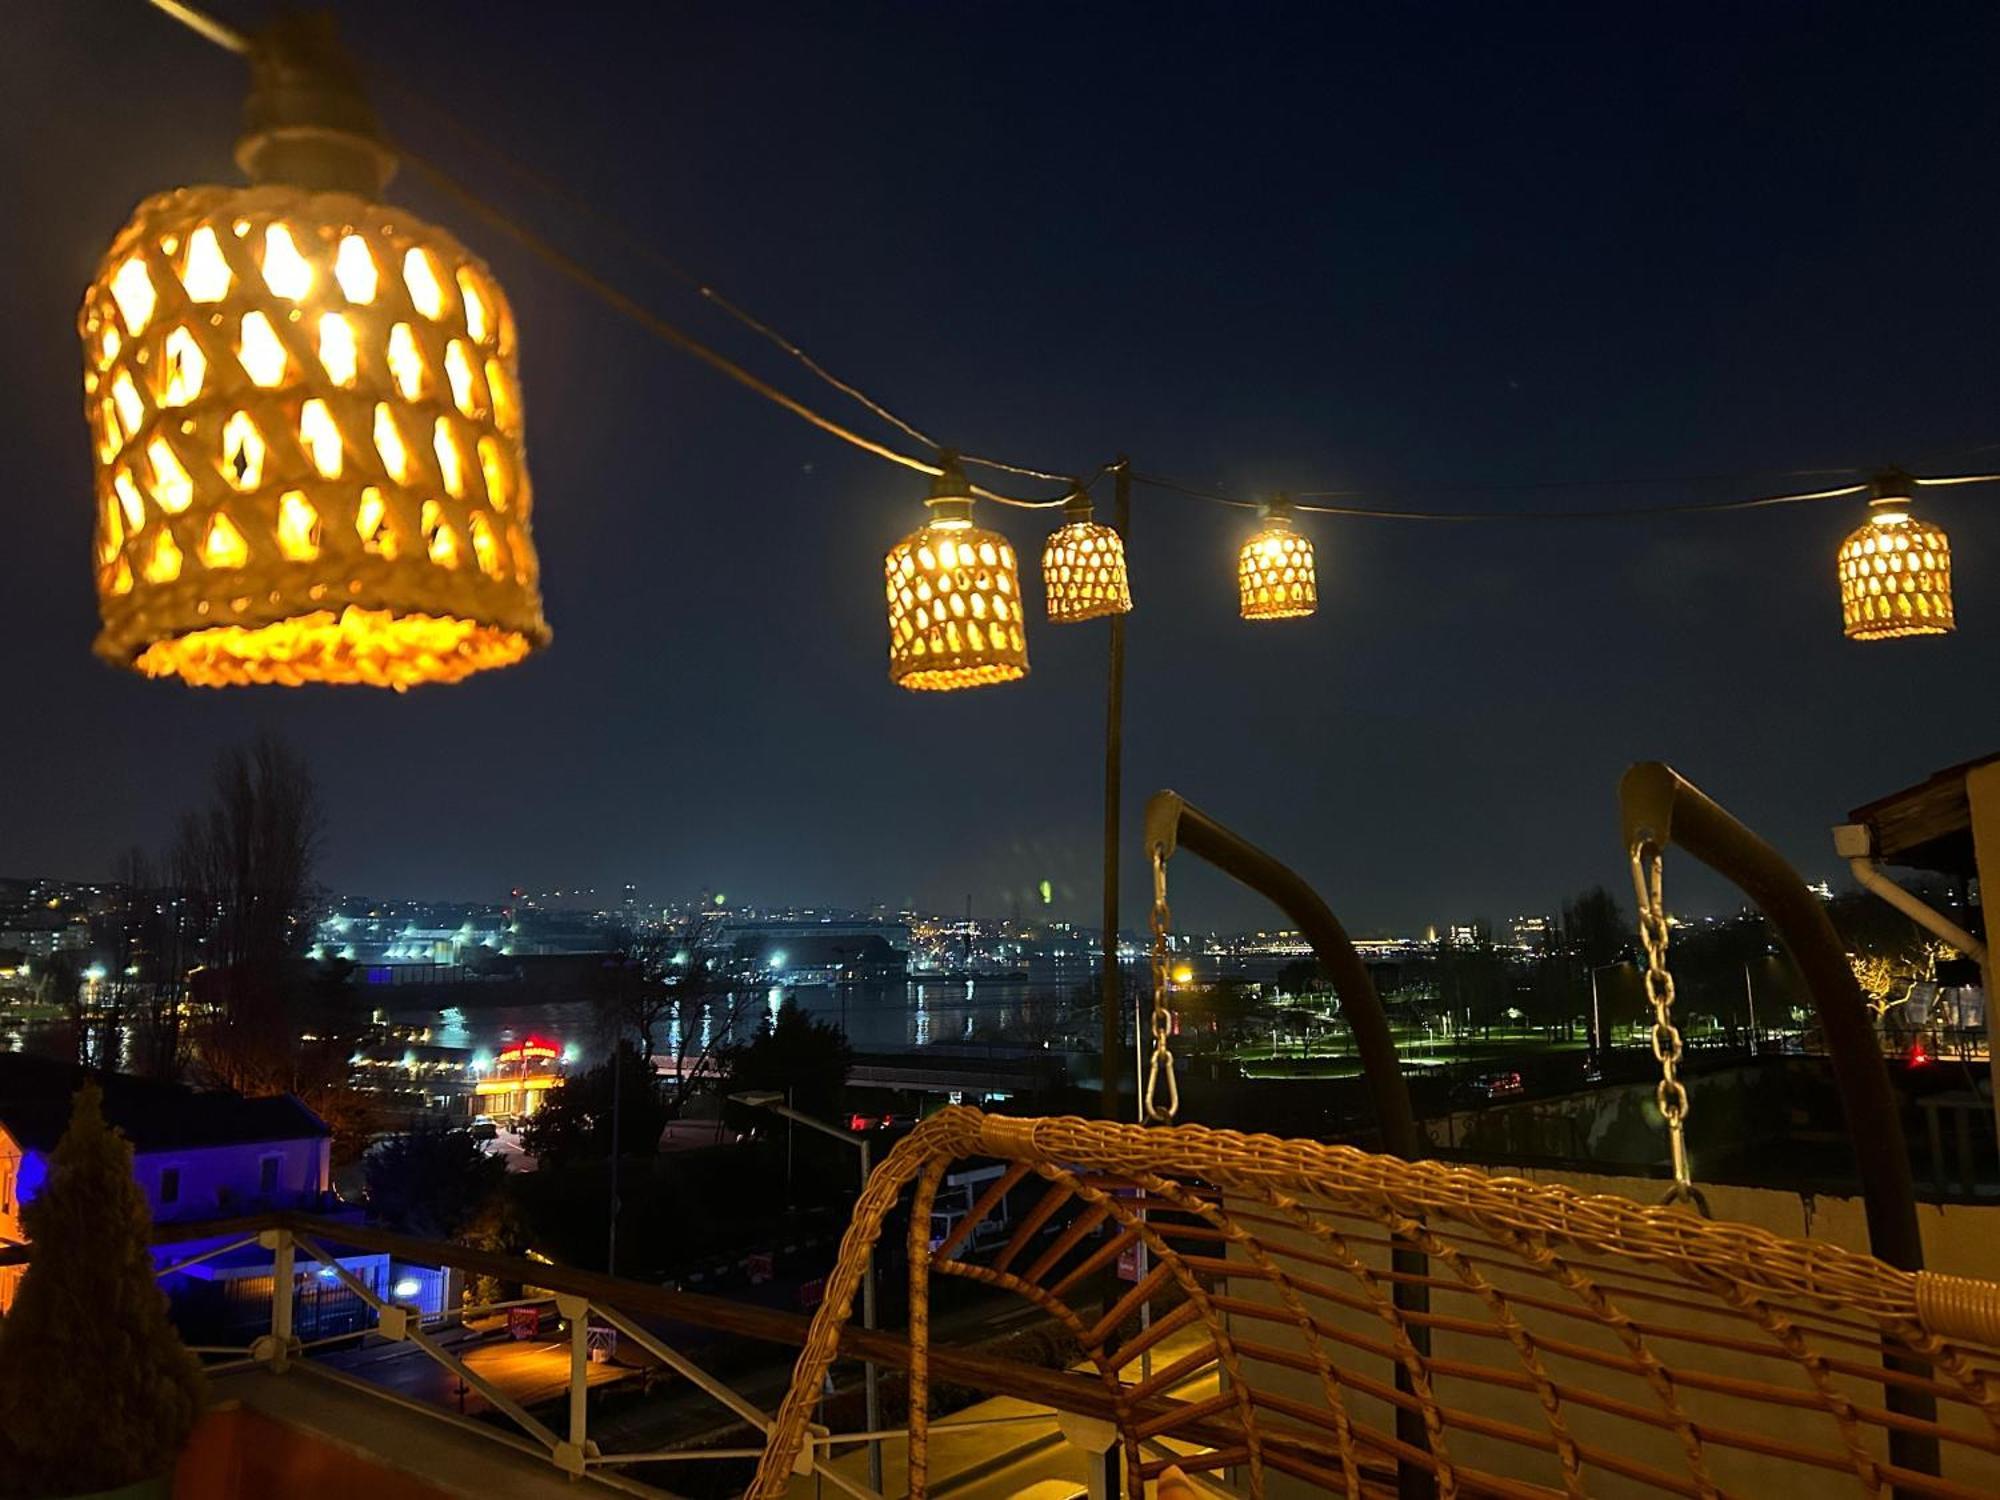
[
  {"x": 1658, "y": 808},
  {"x": 1172, "y": 823}
]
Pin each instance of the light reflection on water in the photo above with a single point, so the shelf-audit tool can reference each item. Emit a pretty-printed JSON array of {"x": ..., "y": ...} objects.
[{"x": 876, "y": 1017}]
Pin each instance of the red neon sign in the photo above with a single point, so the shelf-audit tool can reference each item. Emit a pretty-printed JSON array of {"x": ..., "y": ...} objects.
[{"x": 532, "y": 1049}]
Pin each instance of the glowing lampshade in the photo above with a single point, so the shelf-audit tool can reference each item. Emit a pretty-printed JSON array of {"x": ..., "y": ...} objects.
[
  {"x": 1083, "y": 567},
  {"x": 1274, "y": 572},
  {"x": 306, "y": 424},
  {"x": 1895, "y": 571},
  {"x": 954, "y": 599}
]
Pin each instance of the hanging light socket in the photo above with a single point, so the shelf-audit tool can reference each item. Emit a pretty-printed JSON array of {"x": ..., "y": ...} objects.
[{"x": 307, "y": 121}]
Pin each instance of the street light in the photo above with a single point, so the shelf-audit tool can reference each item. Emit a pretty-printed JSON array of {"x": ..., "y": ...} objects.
[
  {"x": 772, "y": 1100},
  {"x": 1596, "y": 1013}
]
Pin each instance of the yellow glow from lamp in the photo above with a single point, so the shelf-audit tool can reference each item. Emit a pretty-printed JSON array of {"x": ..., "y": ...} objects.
[
  {"x": 1895, "y": 570},
  {"x": 1083, "y": 567},
  {"x": 1275, "y": 574},
  {"x": 294, "y": 553},
  {"x": 954, "y": 597}
]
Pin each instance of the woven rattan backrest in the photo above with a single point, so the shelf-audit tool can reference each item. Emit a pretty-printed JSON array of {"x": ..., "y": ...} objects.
[{"x": 1567, "y": 1344}]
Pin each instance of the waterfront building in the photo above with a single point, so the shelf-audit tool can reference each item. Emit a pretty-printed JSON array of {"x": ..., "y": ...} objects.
[
  {"x": 201, "y": 1155},
  {"x": 520, "y": 1076}
]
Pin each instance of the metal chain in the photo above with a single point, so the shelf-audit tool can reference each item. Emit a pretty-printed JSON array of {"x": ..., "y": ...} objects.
[
  {"x": 1671, "y": 1095},
  {"x": 1160, "y": 1079}
]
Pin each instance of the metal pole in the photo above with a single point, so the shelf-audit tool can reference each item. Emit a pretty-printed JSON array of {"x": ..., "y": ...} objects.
[
  {"x": 870, "y": 1373},
  {"x": 577, "y": 1310},
  {"x": 1750, "y": 999},
  {"x": 284, "y": 1278},
  {"x": 1596, "y": 1020},
  {"x": 1114, "y": 785},
  {"x": 1982, "y": 798},
  {"x": 617, "y": 1110}
]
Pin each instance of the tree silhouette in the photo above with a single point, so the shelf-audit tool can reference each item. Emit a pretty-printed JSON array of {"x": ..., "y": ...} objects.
[
  {"x": 795, "y": 1055},
  {"x": 433, "y": 1183},
  {"x": 573, "y": 1123},
  {"x": 96, "y": 1388}
]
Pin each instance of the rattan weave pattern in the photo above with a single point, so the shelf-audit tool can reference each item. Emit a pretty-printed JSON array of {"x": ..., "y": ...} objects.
[
  {"x": 954, "y": 595},
  {"x": 1895, "y": 578},
  {"x": 1276, "y": 575},
  {"x": 1083, "y": 572},
  {"x": 1651, "y": 1346},
  {"x": 307, "y": 425}
]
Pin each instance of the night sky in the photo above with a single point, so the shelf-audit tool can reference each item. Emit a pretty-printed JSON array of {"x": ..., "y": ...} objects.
[{"x": 1405, "y": 248}]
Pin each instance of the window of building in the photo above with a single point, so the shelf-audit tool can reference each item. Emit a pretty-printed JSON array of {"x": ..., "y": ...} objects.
[
  {"x": 170, "y": 1186},
  {"x": 267, "y": 1174}
]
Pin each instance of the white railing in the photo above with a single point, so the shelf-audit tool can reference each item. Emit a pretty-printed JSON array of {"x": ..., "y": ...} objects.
[{"x": 566, "y": 1446}]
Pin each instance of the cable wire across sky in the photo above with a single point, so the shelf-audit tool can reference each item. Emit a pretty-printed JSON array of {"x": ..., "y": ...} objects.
[{"x": 626, "y": 306}]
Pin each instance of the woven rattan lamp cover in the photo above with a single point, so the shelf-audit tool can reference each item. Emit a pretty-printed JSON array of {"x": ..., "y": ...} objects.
[
  {"x": 307, "y": 431},
  {"x": 954, "y": 599},
  {"x": 1274, "y": 572},
  {"x": 1083, "y": 569},
  {"x": 1895, "y": 571}
]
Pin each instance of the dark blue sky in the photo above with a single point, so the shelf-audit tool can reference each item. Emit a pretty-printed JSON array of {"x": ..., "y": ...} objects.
[{"x": 1259, "y": 246}]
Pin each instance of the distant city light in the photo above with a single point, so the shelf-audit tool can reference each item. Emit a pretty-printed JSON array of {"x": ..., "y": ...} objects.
[
  {"x": 570, "y": 1052},
  {"x": 777, "y": 961},
  {"x": 1183, "y": 974},
  {"x": 720, "y": 899},
  {"x": 1048, "y": 892}
]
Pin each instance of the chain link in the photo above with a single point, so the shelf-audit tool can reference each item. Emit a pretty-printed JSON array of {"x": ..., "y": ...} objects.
[
  {"x": 1162, "y": 1098},
  {"x": 1671, "y": 1095}
]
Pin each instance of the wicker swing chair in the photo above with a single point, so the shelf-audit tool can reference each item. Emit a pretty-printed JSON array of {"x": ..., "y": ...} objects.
[{"x": 1326, "y": 1320}]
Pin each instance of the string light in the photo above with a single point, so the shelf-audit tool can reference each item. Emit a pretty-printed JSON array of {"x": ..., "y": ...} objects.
[
  {"x": 954, "y": 594},
  {"x": 1895, "y": 571},
  {"x": 1083, "y": 567},
  {"x": 307, "y": 421},
  {"x": 1275, "y": 577}
]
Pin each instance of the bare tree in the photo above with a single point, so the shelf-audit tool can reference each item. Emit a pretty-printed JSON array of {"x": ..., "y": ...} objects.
[
  {"x": 243, "y": 866},
  {"x": 146, "y": 934},
  {"x": 666, "y": 993}
]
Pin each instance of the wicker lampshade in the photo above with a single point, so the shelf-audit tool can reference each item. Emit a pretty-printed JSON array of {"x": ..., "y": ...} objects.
[
  {"x": 1274, "y": 572},
  {"x": 954, "y": 599},
  {"x": 1895, "y": 571},
  {"x": 307, "y": 433},
  {"x": 1083, "y": 568}
]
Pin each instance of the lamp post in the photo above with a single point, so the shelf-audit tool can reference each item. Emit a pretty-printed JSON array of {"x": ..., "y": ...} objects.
[
  {"x": 1596, "y": 1012},
  {"x": 772, "y": 1100}
]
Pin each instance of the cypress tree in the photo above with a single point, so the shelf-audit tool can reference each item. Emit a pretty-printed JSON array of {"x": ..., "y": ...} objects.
[{"x": 96, "y": 1388}]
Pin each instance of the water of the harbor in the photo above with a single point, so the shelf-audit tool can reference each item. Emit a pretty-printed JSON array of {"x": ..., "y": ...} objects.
[{"x": 877, "y": 1017}]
